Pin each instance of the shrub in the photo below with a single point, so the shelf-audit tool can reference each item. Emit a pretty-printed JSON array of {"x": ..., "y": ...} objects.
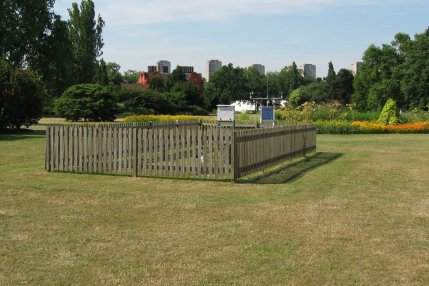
[
  {"x": 288, "y": 115},
  {"x": 21, "y": 95},
  {"x": 297, "y": 97},
  {"x": 389, "y": 114},
  {"x": 335, "y": 127},
  {"x": 92, "y": 102},
  {"x": 156, "y": 118},
  {"x": 415, "y": 115}
]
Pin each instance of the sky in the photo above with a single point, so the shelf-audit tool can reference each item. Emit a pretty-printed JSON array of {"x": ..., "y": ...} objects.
[{"x": 274, "y": 33}]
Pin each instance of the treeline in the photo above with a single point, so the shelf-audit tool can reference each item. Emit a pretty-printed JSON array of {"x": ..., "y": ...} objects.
[
  {"x": 48, "y": 52},
  {"x": 98, "y": 102},
  {"x": 234, "y": 83},
  {"x": 399, "y": 71}
]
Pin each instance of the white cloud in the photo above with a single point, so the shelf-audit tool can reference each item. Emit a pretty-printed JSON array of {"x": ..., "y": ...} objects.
[
  {"x": 137, "y": 12},
  {"x": 134, "y": 44},
  {"x": 160, "y": 11}
]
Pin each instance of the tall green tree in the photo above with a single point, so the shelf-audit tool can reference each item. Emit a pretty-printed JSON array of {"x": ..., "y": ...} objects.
[
  {"x": 192, "y": 95},
  {"x": 21, "y": 95},
  {"x": 86, "y": 38},
  {"x": 130, "y": 76},
  {"x": 330, "y": 81},
  {"x": 176, "y": 76},
  {"x": 256, "y": 82},
  {"x": 101, "y": 76},
  {"x": 113, "y": 73},
  {"x": 380, "y": 70},
  {"x": 343, "y": 86},
  {"x": 331, "y": 73},
  {"x": 157, "y": 83},
  {"x": 54, "y": 62},
  {"x": 25, "y": 27},
  {"x": 226, "y": 85},
  {"x": 415, "y": 74},
  {"x": 273, "y": 80},
  {"x": 32, "y": 36},
  {"x": 295, "y": 78},
  {"x": 284, "y": 82}
]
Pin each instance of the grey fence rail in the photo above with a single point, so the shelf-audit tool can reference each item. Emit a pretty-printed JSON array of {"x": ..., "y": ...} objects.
[
  {"x": 258, "y": 148},
  {"x": 183, "y": 150}
]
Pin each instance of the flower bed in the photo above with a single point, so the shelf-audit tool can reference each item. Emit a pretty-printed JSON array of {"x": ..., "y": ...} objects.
[
  {"x": 367, "y": 127},
  {"x": 156, "y": 118}
]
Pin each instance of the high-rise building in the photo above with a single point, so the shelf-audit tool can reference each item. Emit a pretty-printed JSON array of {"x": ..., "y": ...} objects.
[
  {"x": 151, "y": 69},
  {"x": 187, "y": 69},
  {"x": 212, "y": 67},
  {"x": 164, "y": 67},
  {"x": 308, "y": 70},
  {"x": 356, "y": 67},
  {"x": 260, "y": 68}
]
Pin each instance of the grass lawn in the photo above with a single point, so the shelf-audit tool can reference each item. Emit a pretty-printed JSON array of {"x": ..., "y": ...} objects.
[{"x": 355, "y": 213}]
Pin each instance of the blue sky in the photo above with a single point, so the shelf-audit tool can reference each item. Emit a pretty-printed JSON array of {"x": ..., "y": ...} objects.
[{"x": 274, "y": 33}]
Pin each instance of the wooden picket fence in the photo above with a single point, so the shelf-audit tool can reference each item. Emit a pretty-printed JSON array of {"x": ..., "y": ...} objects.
[
  {"x": 256, "y": 149},
  {"x": 181, "y": 150}
]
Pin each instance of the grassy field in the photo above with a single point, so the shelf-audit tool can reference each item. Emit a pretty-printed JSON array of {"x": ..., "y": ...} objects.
[{"x": 355, "y": 213}]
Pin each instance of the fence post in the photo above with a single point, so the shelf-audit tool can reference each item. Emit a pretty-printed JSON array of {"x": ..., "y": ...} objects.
[
  {"x": 135, "y": 152},
  {"x": 234, "y": 154},
  {"x": 48, "y": 150}
]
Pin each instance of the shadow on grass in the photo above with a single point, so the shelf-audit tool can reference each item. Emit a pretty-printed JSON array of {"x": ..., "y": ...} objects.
[
  {"x": 12, "y": 134},
  {"x": 294, "y": 170}
]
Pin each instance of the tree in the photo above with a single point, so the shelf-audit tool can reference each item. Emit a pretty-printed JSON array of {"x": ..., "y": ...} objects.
[
  {"x": 287, "y": 80},
  {"x": 149, "y": 101},
  {"x": 113, "y": 74},
  {"x": 21, "y": 95},
  {"x": 157, "y": 83},
  {"x": 101, "y": 76},
  {"x": 317, "y": 91},
  {"x": 274, "y": 84},
  {"x": 297, "y": 97},
  {"x": 415, "y": 74},
  {"x": 381, "y": 91},
  {"x": 91, "y": 102},
  {"x": 108, "y": 74},
  {"x": 32, "y": 36},
  {"x": 343, "y": 86},
  {"x": 379, "y": 64},
  {"x": 25, "y": 27},
  {"x": 130, "y": 76},
  {"x": 331, "y": 73},
  {"x": 295, "y": 78},
  {"x": 256, "y": 82},
  {"x": 86, "y": 40},
  {"x": 330, "y": 81},
  {"x": 192, "y": 95},
  {"x": 389, "y": 114},
  {"x": 226, "y": 85},
  {"x": 176, "y": 76},
  {"x": 54, "y": 62}
]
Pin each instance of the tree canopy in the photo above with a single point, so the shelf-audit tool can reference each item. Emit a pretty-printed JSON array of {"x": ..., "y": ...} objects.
[
  {"x": 21, "y": 95},
  {"x": 25, "y": 27},
  {"x": 415, "y": 75},
  {"x": 399, "y": 70},
  {"x": 91, "y": 102},
  {"x": 86, "y": 40}
]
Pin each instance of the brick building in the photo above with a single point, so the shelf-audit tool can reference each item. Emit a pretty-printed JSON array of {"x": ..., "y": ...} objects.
[{"x": 145, "y": 78}]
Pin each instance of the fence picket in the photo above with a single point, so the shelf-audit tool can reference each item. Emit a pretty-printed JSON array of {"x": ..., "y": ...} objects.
[
  {"x": 150, "y": 153},
  {"x": 145, "y": 151}
]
